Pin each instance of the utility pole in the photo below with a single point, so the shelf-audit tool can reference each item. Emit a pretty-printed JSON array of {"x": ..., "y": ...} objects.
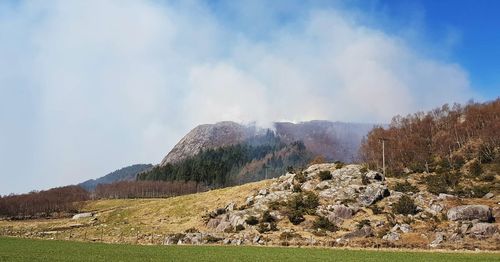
[{"x": 383, "y": 153}]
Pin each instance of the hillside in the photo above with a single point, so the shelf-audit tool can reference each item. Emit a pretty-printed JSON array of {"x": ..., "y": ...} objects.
[
  {"x": 324, "y": 205},
  {"x": 333, "y": 140},
  {"x": 128, "y": 173}
]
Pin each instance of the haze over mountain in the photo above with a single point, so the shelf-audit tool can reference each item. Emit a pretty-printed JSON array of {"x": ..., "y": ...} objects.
[{"x": 332, "y": 140}]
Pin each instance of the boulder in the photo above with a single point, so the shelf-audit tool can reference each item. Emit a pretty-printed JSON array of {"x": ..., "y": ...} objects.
[
  {"x": 342, "y": 211},
  {"x": 224, "y": 226},
  {"x": 483, "y": 229},
  {"x": 489, "y": 195},
  {"x": 82, "y": 215},
  {"x": 373, "y": 193},
  {"x": 470, "y": 212},
  {"x": 391, "y": 236},
  {"x": 405, "y": 228},
  {"x": 307, "y": 186},
  {"x": 365, "y": 231},
  {"x": 213, "y": 222},
  {"x": 440, "y": 237},
  {"x": 374, "y": 175}
]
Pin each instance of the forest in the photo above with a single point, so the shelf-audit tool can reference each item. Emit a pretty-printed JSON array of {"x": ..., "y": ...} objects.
[
  {"x": 460, "y": 139},
  {"x": 222, "y": 166},
  {"x": 146, "y": 189},
  {"x": 43, "y": 203}
]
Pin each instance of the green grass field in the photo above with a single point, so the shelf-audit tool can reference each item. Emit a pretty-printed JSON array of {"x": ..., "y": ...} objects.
[{"x": 15, "y": 249}]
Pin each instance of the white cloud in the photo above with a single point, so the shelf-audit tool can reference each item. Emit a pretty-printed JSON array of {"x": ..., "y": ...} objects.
[{"x": 91, "y": 86}]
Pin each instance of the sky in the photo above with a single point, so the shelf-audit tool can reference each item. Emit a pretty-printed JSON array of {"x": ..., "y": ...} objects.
[{"x": 88, "y": 87}]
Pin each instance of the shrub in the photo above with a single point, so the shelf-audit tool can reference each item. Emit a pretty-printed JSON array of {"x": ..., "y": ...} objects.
[
  {"x": 339, "y": 164},
  {"x": 311, "y": 201},
  {"x": 405, "y": 187},
  {"x": 325, "y": 175},
  {"x": 239, "y": 228},
  {"x": 363, "y": 170},
  {"x": 488, "y": 178},
  {"x": 436, "y": 184},
  {"x": 475, "y": 169},
  {"x": 300, "y": 177},
  {"x": 192, "y": 230},
  {"x": 212, "y": 239},
  {"x": 324, "y": 223},
  {"x": 405, "y": 206},
  {"x": 306, "y": 202},
  {"x": 295, "y": 217},
  {"x": 296, "y": 188},
  {"x": 267, "y": 217},
  {"x": 275, "y": 205},
  {"x": 289, "y": 235},
  {"x": 262, "y": 228},
  {"x": 364, "y": 179},
  {"x": 362, "y": 223},
  {"x": 376, "y": 209},
  {"x": 252, "y": 220}
]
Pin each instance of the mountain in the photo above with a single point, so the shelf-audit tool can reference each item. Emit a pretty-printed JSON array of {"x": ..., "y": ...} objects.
[
  {"x": 128, "y": 173},
  {"x": 228, "y": 153},
  {"x": 332, "y": 140}
]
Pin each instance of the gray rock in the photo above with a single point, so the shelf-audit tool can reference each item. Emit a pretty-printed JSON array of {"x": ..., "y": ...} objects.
[
  {"x": 224, "y": 226},
  {"x": 391, "y": 236},
  {"x": 484, "y": 229},
  {"x": 489, "y": 195},
  {"x": 470, "y": 212},
  {"x": 307, "y": 186},
  {"x": 443, "y": 196},
  {"x": 263, "y": 192},
  {"x": 342, "y": 211},
  {"x": 374, "y": 175},
  {"x": 82, "y": 215},
  {"x": 365, "y": 231},
  {"x": 440, "y": 237},
  {"x": 213, "y": 222},
  {"x": 405, "y": 228},
  {"x": 256, "y": 239},
  {"x": 373, "y": 193}
]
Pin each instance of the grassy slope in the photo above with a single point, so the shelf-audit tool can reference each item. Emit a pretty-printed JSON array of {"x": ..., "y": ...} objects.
[
  {"x": 15, "y": 249},
  {"x": 122, "y": 220}
]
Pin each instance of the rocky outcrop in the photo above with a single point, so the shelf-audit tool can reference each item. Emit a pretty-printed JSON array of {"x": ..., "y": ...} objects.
[{"x": 470, "y": 212}]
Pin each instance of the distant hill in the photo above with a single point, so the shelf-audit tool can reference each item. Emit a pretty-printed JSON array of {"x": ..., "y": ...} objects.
[{"x": 124, "y": 174}]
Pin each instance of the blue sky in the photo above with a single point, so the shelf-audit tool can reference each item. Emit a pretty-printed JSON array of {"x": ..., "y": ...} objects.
[{"x": 87, "y": 87}]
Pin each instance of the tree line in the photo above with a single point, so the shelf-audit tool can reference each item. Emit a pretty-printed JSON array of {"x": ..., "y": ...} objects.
[
  {"x": 146, "y": 189},
  {"x": 43, "y": 203},
  {"x": 442, "y": 139}
]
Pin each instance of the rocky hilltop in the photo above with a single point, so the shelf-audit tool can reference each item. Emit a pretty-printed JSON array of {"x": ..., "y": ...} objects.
[
  {"x": 332, "y": 140},
  {"x": 334, "y": 205}
]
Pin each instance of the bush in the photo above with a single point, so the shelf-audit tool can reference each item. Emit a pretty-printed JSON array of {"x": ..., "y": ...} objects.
[
  {"x": 275, "y": 205},
  {"x": 405, "y": 206},
  {"x": 289, "y": 235},
  {"x": 376, "y": 209},
  {"x": 364, "y": 179},
  {"x": 405, "y": 187},
  {"x": 239, "y": 228},
  {"x": 296, "y": 188},
  {"x": 192, "y": 230},
  {"x": 488, "y": 178},
  {"x": 295, "y": 217},
  {"x": 267, "y": 217},
  {"x": 300, "y": 177},
  {"x": 362, "y": 223},
  {"x": 252, "y": 220},
  {"x": 475, "y": 169},
  {"x": 325, "y": 175},
  {"x": 339, "y": 164},
  {"x": 311, "y": 201},
  {"x": 324, "y": 223},
  {"x": 306, "y": 202}
]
